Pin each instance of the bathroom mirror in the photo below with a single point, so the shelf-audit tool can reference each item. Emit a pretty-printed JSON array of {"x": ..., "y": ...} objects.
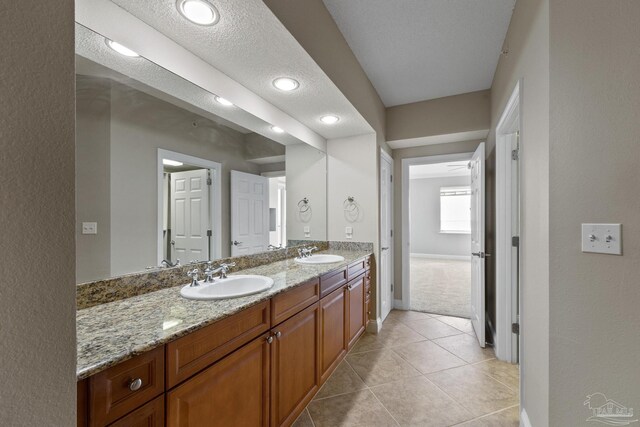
[{"x": 166, "y": 170}]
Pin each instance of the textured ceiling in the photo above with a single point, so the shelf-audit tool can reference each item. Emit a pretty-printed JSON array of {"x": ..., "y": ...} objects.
[
  {"x": 252, "y": 47},
  {"x": 94, "y": 58},
  {"x": 439, "y": 170},
  {"x": 414, "y": 50}
]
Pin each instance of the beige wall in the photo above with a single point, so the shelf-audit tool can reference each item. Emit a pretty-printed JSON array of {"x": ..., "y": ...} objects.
[
  {"x": 595, "y": 148},
  {"x": 407, "y": 153},
  {"x": 311, "y": 24},
  {"x": 306, "y": 177},
  {"x": 37, "y": 292},
  {"x": 453, "y": 114},
  {"x": 528, "y": 59}
]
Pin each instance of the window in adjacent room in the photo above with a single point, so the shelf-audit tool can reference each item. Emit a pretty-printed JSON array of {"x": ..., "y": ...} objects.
[{"x": 455, "y": 210}]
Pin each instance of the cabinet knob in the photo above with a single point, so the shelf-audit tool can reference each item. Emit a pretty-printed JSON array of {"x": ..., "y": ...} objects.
[
  {"x": 368, "y": 292},
  {"x": 278, "y": 334},
  {"x": 135, "y": 385},
  {"x": 269, "y": 339}
]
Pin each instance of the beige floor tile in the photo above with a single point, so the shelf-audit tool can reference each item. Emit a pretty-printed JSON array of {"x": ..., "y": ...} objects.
[
  {"x": 507, "y": 418},
  {"x": 433, "y": 328},
  {"x": 380, "y": 367},
  {"x": 477, "y": 392},
  {"x": 428, "y": 357},
  {"x": 361, "y": 408},
  {"x": 304, "y": 420},
  {"x": 418, "y": 402},
  {"x": 466, "y": 347},
  {"x": 343, "y": 380},
  {"x": 459, "y": 323},
  {"x": 406, "y": 316},
  {"x": 390, "y": 335},
  {"x": 504, "y": 372}
]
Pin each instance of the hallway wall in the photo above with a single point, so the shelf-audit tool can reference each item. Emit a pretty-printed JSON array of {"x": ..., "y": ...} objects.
[{"x": 527, "y": 43}]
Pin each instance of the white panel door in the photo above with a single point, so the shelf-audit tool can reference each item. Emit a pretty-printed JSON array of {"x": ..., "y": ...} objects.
[
  {"x": 477, "y": 244},
  {"x": 249, "y": 213},
  {"x": 386, "y": 240},
  {"x": 190, "y": 217}
]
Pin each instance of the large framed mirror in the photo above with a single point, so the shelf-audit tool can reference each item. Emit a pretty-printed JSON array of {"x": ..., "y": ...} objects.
[{"x": 167, "y": 171}]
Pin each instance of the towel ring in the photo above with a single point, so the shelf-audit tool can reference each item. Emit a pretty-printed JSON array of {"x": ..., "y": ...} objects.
[
  {"x": 303, "y": 205},
  {"x": 351, "y": 209}
]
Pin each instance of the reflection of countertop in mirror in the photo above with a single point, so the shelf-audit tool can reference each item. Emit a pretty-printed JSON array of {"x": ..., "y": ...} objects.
[{"x": 110, "y": 333}]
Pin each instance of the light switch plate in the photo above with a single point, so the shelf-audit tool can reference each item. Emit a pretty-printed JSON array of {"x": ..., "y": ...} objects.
[
  {"x": 602, "y": 238},
  {"x": 89, "y": 228}
]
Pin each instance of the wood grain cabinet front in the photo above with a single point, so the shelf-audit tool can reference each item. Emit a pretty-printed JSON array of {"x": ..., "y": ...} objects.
[
  {"x": 333, "y": 342},
  {"x": 232, "y": 392},
  {"x": 294, "y": 365},
  {"x": 356, "y": 319},
  {"x": 149, "y": 415},
  {"x": 120, "y": 389}
]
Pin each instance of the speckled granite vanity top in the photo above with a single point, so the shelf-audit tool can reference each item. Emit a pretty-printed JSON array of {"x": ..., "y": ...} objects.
[{"x": 110, "y": 333}]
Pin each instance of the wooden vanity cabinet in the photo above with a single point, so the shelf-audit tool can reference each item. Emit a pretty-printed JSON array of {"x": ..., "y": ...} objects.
[
  {"x": 356, "y": 310},
  {"x": 333, "y": 340},
  {"x": 295, "y": 365},
  {"x": 149, "y": 415},
  {"x": 232, "y": 392}
]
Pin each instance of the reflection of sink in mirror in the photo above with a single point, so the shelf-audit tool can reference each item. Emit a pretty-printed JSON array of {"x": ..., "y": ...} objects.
[
  {"x": 166, "y": 172},
  {"x": 231, "y": 287},
  {"x": 320, "y": 259}
]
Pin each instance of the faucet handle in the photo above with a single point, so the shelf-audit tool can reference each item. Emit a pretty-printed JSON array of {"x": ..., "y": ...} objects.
[{"x": 193, "y": 275}]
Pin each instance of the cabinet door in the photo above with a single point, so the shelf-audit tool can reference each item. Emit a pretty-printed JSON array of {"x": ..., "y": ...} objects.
[
  {"x": 233, "y": 392},
  {"x": 333, "y": 343},
  {"x": 356, "y": 321},
  {"x": 294, "y": 365},
  {"x": 149, "y": 415}
]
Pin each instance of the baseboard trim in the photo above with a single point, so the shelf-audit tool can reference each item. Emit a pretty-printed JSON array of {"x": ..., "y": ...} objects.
[
  {"x": 438, "y": 256},
  {"x": 398, "y": 304},
  {"x": 374, "y": 326},
  {"x": 524, "y": 419}
]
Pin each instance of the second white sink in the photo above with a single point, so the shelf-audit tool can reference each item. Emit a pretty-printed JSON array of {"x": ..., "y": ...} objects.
[
  {"x": 231, "y": 287},
  {"x": 320, "y": 259}
]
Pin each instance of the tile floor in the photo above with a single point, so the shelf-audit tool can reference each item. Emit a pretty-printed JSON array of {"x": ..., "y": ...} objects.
[{"x": 420, "y": 370}]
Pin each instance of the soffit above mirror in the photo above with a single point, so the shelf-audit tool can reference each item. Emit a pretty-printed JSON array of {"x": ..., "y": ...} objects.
[{"x": 248, "y": 44}]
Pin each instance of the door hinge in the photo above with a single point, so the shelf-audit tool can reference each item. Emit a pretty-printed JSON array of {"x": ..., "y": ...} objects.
[
  {"x": 515, "y": 155},
  {"x": 515, "y": 241},
  {"x": 392, "y": 287},
  {"x": 391, "y": 176},
  {"x": 209, "y": 181},
  {"x": 391, "y": 233},
  {"x": 515, "y": 328},
  {"x": 209, "y": 234}
]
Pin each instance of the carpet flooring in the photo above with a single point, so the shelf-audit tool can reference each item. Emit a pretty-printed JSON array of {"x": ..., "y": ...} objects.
[{"x": 441, "y": 286}]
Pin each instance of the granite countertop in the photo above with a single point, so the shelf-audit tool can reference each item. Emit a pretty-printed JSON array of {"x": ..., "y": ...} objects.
[{"x": 111, "y": 333}]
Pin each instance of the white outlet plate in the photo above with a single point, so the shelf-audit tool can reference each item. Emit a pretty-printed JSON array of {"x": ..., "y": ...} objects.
[
  {"x": 602, "y": 238},
  {"x": 307, "y": 231},
  {"x": 89, "y": 228},
  {"x": 348, "y": 232}
]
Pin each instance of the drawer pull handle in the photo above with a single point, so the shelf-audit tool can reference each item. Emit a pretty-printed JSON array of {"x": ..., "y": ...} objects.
[
  {"x": 270, "y": 339},
  {"x": 368, "y": 292},
  {"x": 135, "y": 385},
  {"x": 278, "y": 334}
]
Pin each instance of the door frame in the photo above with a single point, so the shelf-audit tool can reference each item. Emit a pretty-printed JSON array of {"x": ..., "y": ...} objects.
[
  {"x": 405, "y": 302},
  {"x": 507, "y": 307},
  {"x": 388, "y": 158},
  {"x": 215, "y": 198}
]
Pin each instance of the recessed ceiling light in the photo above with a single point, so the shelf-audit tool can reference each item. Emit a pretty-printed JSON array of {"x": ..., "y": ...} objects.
[
  {"x": 198, "y": 11},
  {"x": 329, "y": 119},
  {"x": 277, "y": 129},
  {"x": 122, "y": 50},
  {"x": 223, "y": 101},
  {"x": 169, "y": 162},
  {"x": 286, "y": 84}
]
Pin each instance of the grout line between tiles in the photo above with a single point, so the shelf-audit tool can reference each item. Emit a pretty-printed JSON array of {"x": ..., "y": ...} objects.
[
  {"x": 385, "y": 408},
  {"x": 487, "y": 415}
]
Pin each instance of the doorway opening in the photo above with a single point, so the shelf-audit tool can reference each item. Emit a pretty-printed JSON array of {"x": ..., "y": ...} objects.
[
  {"x": 440, "y": 238},
  {"x": 277, "y": 209}
]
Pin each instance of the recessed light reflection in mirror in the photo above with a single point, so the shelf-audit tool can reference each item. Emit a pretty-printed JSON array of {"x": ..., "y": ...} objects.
[
  {"x": 286, "y": 84},
  {"x": 122, "y": 50},
  {"x": 329, "y": 119},
  {"x": 224, "y": 101},
  {"x": 277, "y": 129}
]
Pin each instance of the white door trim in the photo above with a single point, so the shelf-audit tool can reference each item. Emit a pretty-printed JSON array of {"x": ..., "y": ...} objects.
[
  {"x": 506, "y": 263},
  {"x": 389, "y": 159},
  {"x": 215, "y": 199},
  {"x": 406, "y": 229}
]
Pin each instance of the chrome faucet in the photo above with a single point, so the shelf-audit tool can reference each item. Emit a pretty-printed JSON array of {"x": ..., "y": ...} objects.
[
  {"x": 209, "y": 272},
  {"x": 193, "y": 275},
  {"x": 223, "y": 269},
  {"x": 167, "y": 263},
  {"x": 274, "y": 247},
  {"x": 306, "y": 252}
]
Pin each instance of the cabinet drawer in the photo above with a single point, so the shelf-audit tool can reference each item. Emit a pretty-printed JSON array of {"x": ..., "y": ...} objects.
[
  {"x": 287, "y": 304},
  {"x": 357, "y": 268},
  {"x": 126, "y": 386},
  {"x": 149, "y": 415},
  {"x": 332, "y": 281},
  {"x": 194, "y": 352}
]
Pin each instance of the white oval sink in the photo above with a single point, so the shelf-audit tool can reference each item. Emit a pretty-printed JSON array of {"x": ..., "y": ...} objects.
[
  {"x": 231, "y": 287},
  {"x": 320, "y": 259}
]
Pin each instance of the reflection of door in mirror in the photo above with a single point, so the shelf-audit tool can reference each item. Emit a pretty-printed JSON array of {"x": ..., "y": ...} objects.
[
  {"x": 188, "y": 209},
  {"x": 249, "y": 213},
  {"x": 277, "y": 209}
]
